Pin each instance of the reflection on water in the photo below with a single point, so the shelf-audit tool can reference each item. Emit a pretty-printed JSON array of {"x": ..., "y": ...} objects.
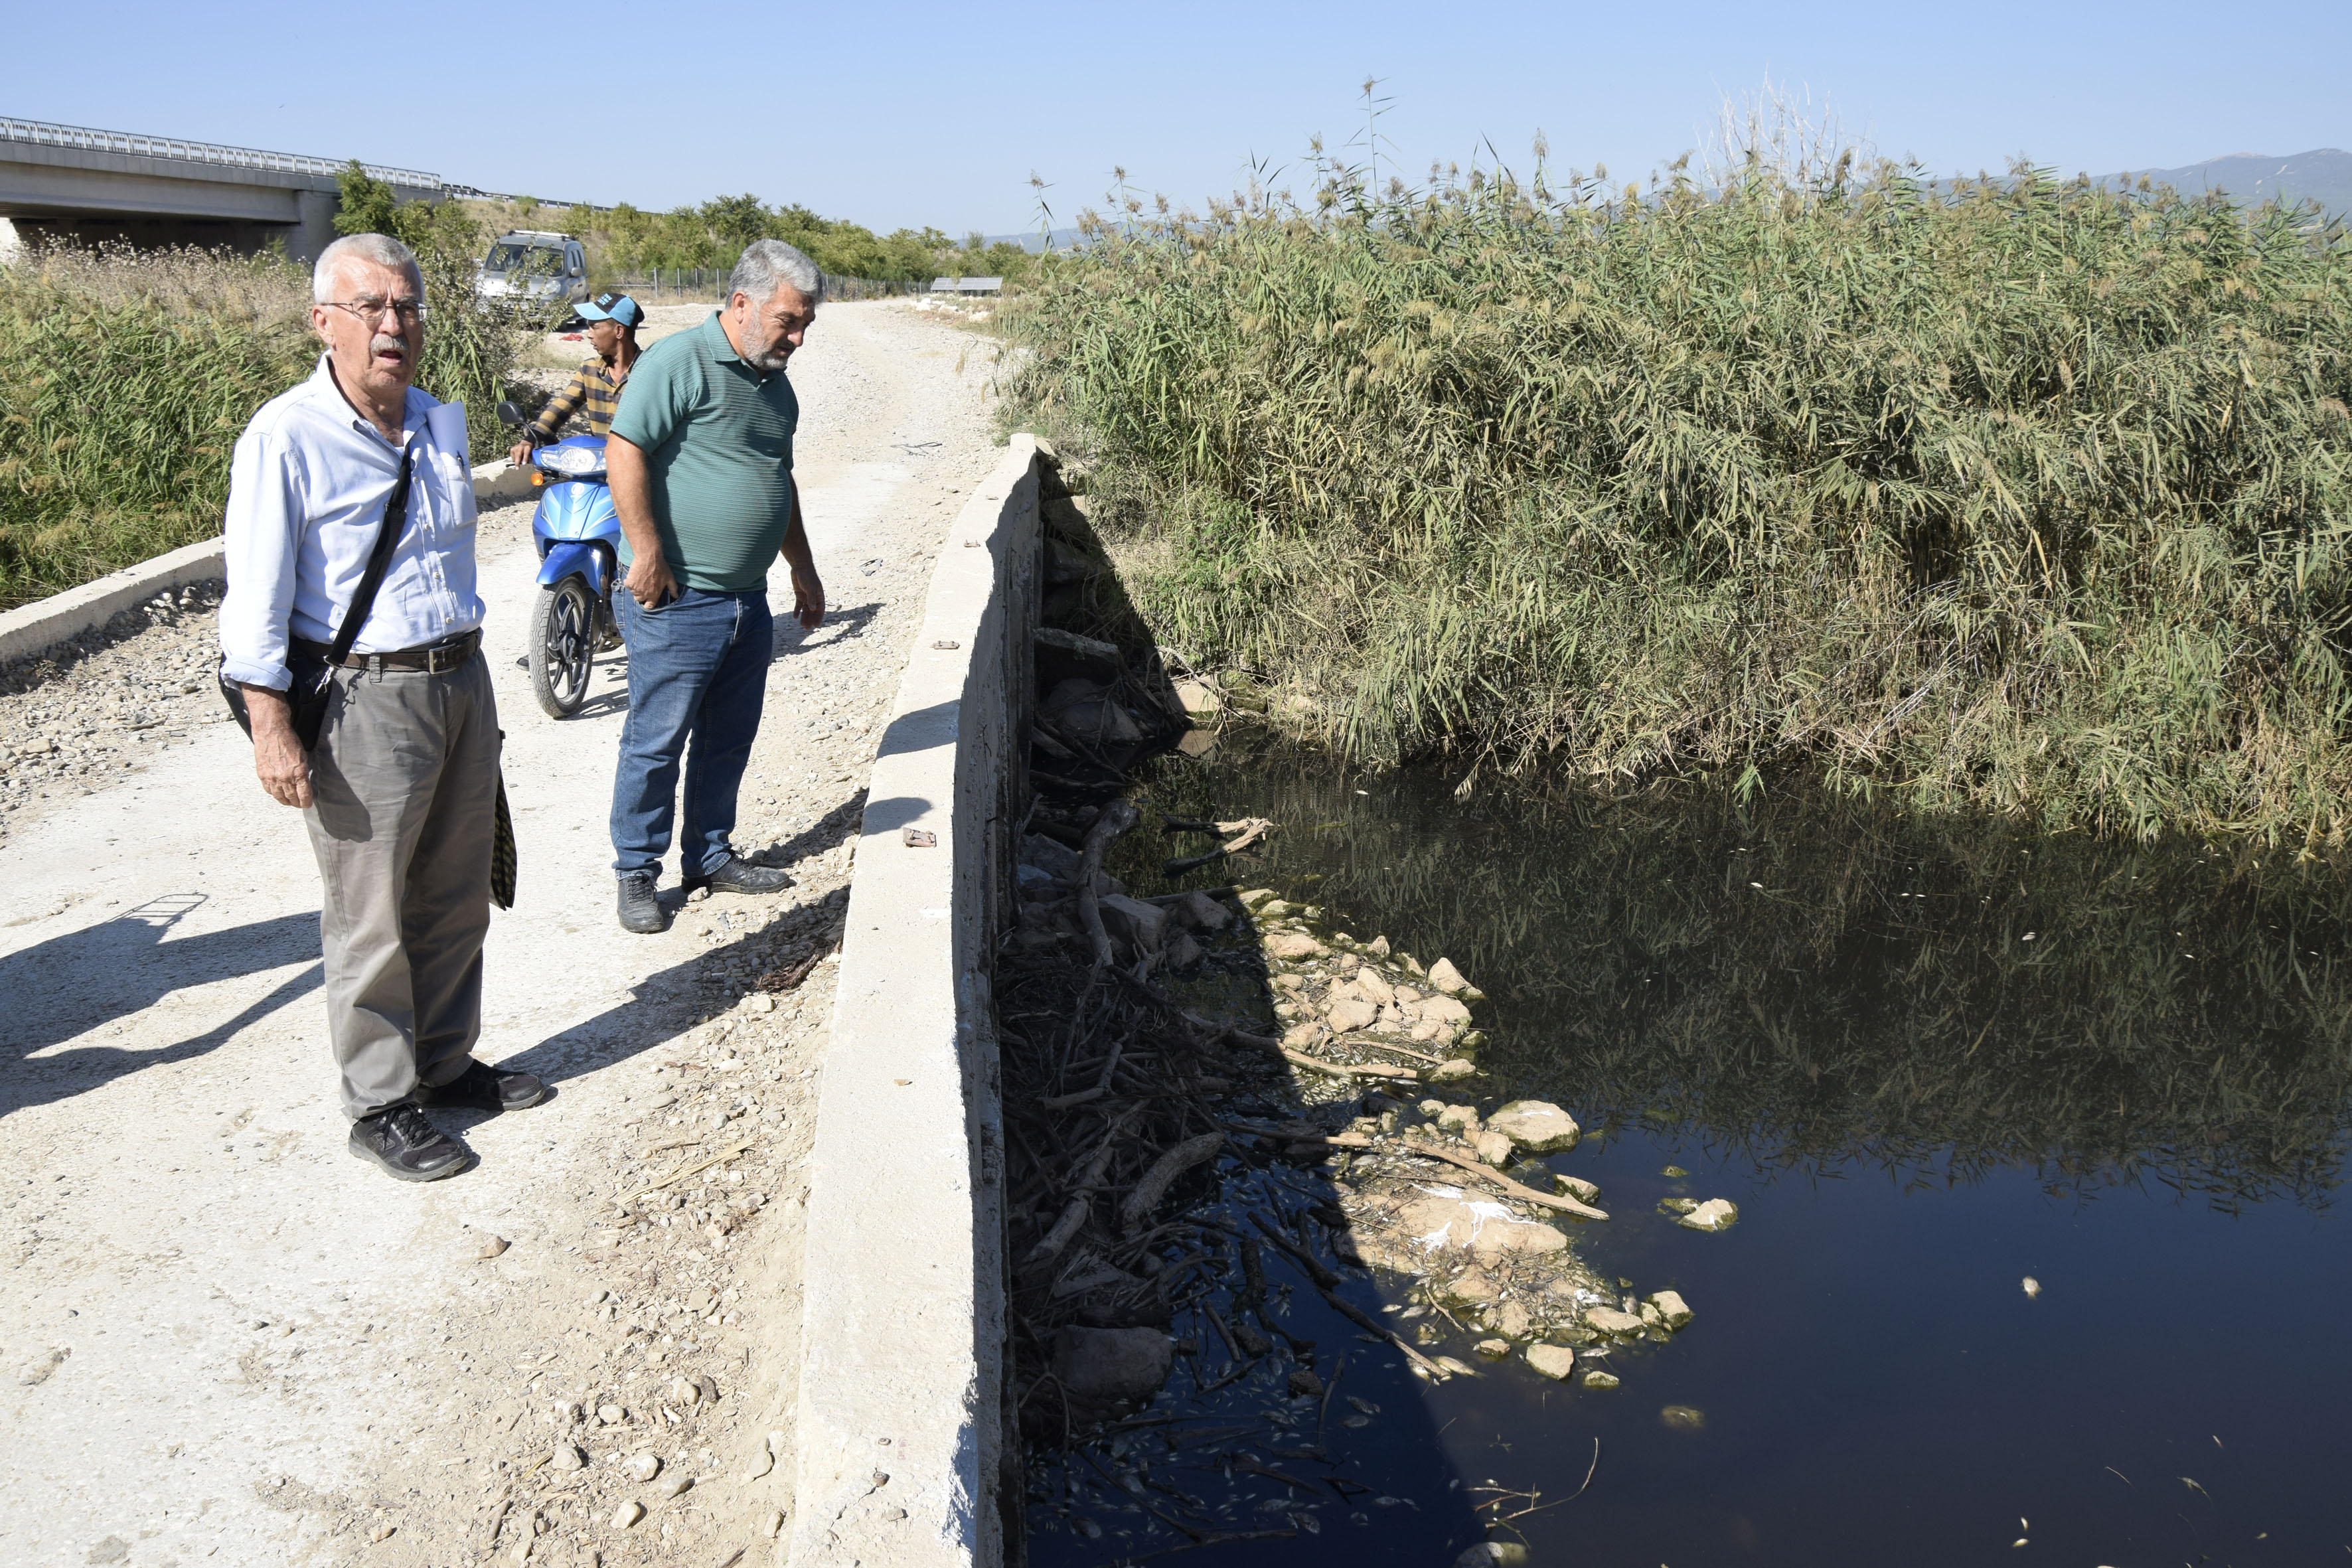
[
  {"x": 1927, "y": 1059},
  {"x": 1814, "y": 982}
]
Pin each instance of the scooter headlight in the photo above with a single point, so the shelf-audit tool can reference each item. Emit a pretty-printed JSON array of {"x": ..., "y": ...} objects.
[{"x": 572, "y": 462}]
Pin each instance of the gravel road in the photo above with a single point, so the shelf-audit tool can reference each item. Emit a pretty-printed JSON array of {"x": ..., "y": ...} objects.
[{"x": 224, "y": 1339}]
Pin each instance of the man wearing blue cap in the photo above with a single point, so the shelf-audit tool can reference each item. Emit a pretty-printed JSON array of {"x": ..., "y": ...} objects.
[{"x": 595, "y": 386}]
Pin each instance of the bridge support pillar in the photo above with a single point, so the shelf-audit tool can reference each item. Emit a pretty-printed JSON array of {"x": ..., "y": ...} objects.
[{"x": 314, "y": 225}]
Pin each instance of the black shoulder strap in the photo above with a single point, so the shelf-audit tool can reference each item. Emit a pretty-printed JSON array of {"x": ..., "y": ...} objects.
[{"x": 396, "y": 519}]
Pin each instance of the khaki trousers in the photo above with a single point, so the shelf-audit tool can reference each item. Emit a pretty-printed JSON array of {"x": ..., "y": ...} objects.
[{"x": 403, "y": 786}]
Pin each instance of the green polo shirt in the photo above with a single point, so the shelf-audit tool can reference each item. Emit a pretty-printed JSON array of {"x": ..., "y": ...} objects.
[{"x": 718, "y": 440}]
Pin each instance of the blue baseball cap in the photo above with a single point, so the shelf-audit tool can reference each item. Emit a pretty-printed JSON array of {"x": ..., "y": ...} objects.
[{"x": 611, "y": 307}]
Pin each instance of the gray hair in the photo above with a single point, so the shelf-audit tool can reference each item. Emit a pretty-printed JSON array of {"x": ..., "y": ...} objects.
[
  {"x": 380, "y": 248},
  {"x": 767, "y": 264}
]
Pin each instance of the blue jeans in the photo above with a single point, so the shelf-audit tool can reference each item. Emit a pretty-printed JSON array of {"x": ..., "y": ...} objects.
[{"x": 699, "y": 671}]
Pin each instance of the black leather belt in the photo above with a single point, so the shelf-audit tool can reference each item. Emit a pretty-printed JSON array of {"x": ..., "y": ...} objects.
[{"x": 440, "y": 658}]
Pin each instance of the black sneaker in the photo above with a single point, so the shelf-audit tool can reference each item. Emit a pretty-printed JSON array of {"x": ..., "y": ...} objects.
[
  {"x": 641, "y": 910},
  {"x": 406, "y": 1145},
  {"x": 483, "y": 1087},
  {"x": 737, "y": 875}
]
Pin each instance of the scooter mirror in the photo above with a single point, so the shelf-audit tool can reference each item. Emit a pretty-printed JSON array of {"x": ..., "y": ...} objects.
[{"x": 509, "y": 415}]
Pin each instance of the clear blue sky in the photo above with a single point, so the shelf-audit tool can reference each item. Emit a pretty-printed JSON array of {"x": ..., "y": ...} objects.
[{"x": 903, "y": 114}]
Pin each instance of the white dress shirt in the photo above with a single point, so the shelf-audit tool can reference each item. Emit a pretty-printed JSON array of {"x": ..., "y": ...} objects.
[{"x": 307, "y": 489}]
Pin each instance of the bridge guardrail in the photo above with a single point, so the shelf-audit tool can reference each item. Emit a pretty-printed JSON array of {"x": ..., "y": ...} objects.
[{"x": 43, "y": 133}]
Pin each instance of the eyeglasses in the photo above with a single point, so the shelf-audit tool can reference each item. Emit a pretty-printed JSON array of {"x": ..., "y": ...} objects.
[{"x": 374, "y": 311}]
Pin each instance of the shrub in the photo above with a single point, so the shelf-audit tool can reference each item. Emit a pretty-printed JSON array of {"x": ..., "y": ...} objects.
[{"x": 2020, "y": 495}]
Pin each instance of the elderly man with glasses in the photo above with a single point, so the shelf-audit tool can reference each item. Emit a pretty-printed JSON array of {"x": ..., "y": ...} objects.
[{"x": 399, "y": 789}]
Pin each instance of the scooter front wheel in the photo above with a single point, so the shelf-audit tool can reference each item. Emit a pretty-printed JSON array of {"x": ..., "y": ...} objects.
[{"x": 562, "y": 647}]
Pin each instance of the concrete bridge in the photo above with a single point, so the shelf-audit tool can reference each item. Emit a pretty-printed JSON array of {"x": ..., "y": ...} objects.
[{"x": 69, "y": 181}]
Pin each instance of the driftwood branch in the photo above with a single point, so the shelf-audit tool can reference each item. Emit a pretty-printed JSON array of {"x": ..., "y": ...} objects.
[
  {"x": 1249, "y": 830},
  {"x": 1489, "y": 1173},
  {"x": 1116, "y": 818},
  {"x": 1155, "y": 1182}
]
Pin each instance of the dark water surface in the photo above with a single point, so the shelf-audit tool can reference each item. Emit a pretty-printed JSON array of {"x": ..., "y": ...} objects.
[{"x": 1928, "y": 1061}]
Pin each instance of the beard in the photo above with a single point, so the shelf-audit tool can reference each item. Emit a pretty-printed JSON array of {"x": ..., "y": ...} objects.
[{"x": 764, "y": 354}]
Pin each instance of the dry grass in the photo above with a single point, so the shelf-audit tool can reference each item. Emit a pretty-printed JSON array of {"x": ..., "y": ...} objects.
[{"x": 2025, "y": 496}]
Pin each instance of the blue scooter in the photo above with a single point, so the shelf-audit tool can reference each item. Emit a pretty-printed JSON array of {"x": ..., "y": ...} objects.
[{"x": 578, "y": 534}]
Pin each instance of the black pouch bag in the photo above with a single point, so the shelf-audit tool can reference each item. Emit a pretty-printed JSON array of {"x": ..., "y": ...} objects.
[{"x": 314, "y": 673}]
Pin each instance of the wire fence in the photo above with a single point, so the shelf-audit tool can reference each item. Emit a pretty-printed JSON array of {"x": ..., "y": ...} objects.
[{"x": 686, "y": 285}]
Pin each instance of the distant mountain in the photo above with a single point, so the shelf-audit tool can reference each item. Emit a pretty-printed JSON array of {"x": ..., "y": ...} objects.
[{"x": 2321, "y": 176}]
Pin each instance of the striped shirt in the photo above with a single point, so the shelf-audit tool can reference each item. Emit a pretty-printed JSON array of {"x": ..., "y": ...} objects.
[{"x": 593, "y": 385}]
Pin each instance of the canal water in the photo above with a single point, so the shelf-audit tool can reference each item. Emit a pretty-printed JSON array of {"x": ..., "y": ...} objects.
[{"x": 1930, "y": 1060}]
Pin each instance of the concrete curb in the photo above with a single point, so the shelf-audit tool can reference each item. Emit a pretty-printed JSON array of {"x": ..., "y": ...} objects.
[
  {"x": 900, "y": 1434},
  {"x": 36, "y": 629}
]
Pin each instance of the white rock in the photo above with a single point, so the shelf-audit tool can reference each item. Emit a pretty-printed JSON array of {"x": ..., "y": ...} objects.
[
  {"x": 628, "y": 1514},
  {"x": 1535, "y": 1125},
  {"x": 1351, "y": 1013},
  {"x": 1610, "y": 1321},
  {"x": 567, "y": 1458},
  {"x": 676, "y": 1485},
  {"x": 1444, "y": 977},
  {"x": 1461, "y": 1119},
  {"x": 645, "y": 1467},
  {"x": 1715, "y": 1214},
  {"x": 1552, "y": 1360},
  {"x": 1486, "y": 1230},
  {"x": 1492, "y": 1147},
  {"x": 1672, "y": 1310},
  {"x": 1373, "y": 986}
]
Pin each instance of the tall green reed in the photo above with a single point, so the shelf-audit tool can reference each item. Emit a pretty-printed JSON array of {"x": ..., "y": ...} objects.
[{"x": 2022, "y": 496}]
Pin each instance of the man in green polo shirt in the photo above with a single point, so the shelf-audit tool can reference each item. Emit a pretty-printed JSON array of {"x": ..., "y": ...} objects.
[{"x": 700, "y": 461}]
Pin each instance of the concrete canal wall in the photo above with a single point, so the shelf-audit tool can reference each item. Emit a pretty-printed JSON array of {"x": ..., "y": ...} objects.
[{"x": 900, "y": 1421}]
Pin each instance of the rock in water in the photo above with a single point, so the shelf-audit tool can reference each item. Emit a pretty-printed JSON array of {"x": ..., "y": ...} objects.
[
  {"x": 1442, "y": 1010},
  {"x": 1535, "y": 1125},
  {"x": 1202, "y": 912},
  {"x": 1460, "y": 1120},
  {"x": 1050, "y": 856},
  {"x": 1134, "y": 923},
  {"x": 1493, "y": 1554},
  {"x": 1715, "y": 1214},
  {"x": 1103, "y": 1364},
  {"x": 1444, "y": 976},
  {"x": 1199, "y": 699},
  {"x": 1487, "y": 1230},
  {"x": 1492, "y": 1147},
  {"x": 1453, "y": 1072},
  {"x": 1610, "y": 1321},
  {"x": 1600, "y": 1380},
  {"x": 1683, "y": 1418},
  {"x": 1671, "y": 1309},
  {"x": 1552, "y": 1360},
  {"x": 1577, "y": 1188}
]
